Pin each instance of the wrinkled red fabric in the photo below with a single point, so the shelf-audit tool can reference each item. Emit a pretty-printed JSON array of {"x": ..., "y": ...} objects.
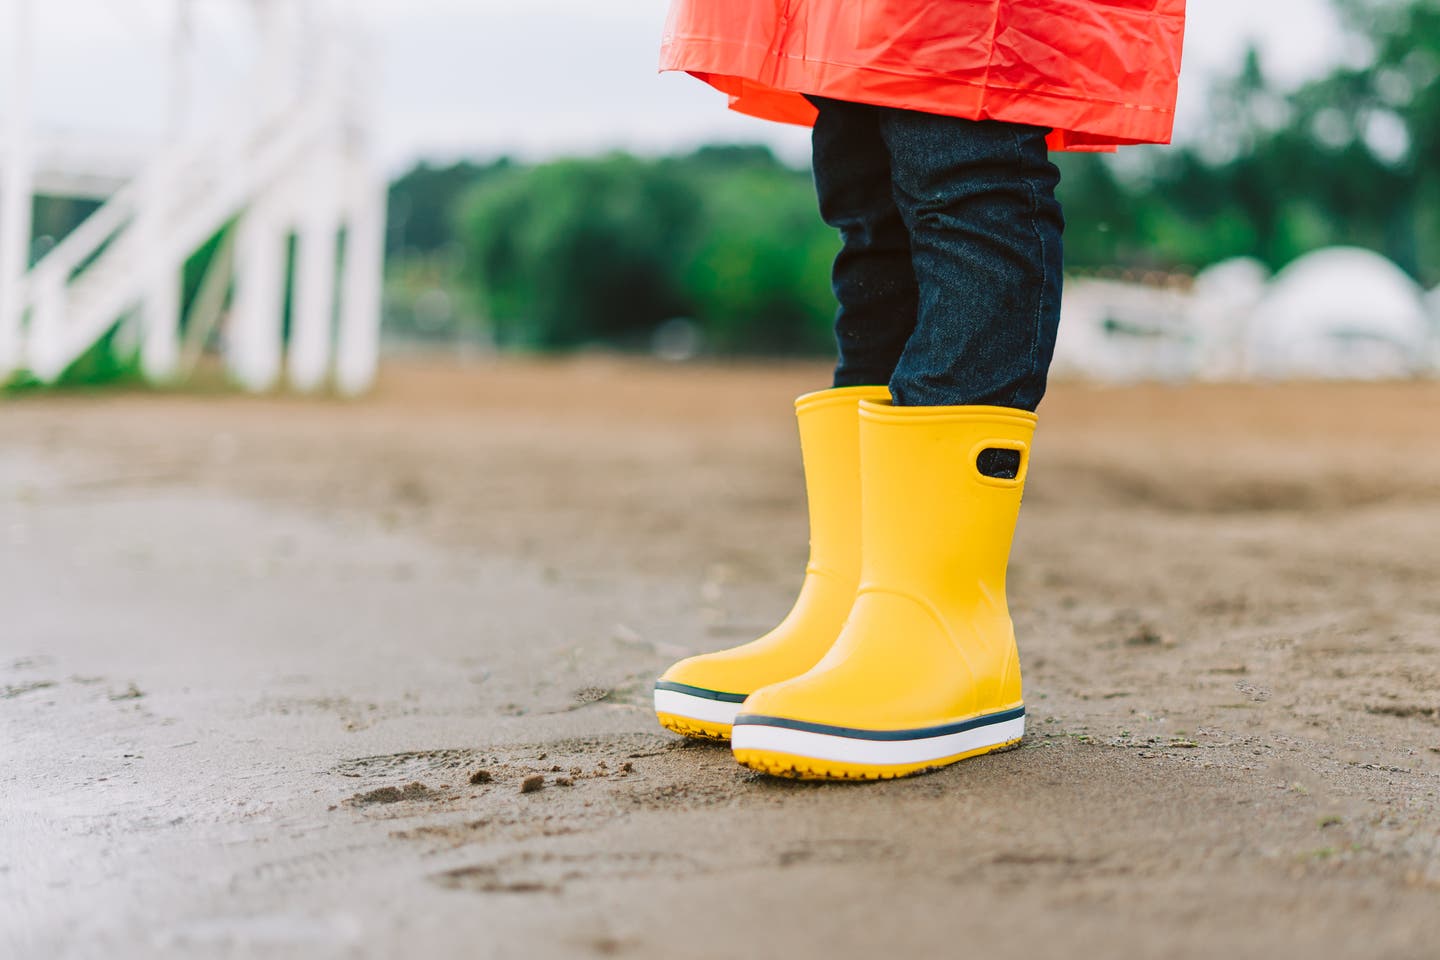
[{"x": 1100, "y": 73}]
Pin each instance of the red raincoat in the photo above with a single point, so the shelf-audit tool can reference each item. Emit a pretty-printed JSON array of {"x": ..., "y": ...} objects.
[{"x": 1100, "y": 72}]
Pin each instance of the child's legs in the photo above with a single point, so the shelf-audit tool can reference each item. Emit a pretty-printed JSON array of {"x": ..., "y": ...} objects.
[
  {"x": 873, "y": 279},
  {"x": 984, "y": 229}
]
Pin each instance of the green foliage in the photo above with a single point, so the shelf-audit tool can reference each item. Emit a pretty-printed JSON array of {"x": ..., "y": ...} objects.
[
  {"x": 579, "y": 250},
  {"x": 422, "y": 205},
  {"x": 605, "y": 250},
  {"x": 759, "y": 278}
]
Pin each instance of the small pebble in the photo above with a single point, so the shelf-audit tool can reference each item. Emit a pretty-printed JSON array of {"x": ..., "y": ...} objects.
[
  {"x": 411, "y": 791},
  {"x": 533, "y": 783},
  {"x": 480, "y": 776}
]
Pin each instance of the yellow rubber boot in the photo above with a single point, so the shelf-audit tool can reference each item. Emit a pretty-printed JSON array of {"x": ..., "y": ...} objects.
[
  {"x": 925, "y": 672},
  {"x": 699, "y": 696}
]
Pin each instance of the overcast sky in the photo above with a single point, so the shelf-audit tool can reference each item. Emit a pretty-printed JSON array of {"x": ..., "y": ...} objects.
[{"x": 536, "y": 77}]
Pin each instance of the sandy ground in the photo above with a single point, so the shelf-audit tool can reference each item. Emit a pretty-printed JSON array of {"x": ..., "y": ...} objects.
[{"x": 253, "y": 652}]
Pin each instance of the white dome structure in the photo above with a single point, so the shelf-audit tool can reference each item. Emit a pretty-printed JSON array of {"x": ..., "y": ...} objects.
[
  {"x": 1238, "y": 280},
  {"x": 1340, "y": 313},
  {"x": 1117, "y": 332},
  {"x": 1223, "y": 297}
]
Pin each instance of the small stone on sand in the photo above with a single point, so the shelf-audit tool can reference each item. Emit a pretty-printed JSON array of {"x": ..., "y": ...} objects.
[
  {"x": 532, "y": 783},
  {"x": 131, "y": 692},
  {"x": 411, "y": 791}
]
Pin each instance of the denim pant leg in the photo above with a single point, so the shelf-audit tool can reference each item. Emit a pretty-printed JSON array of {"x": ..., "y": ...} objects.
[
  {"x": 978, "y": 198},
  {"x": 873, "y": 279}
]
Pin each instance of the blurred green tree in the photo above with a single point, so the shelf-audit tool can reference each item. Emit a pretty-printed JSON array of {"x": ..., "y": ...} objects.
[
  {"x": 758, "y": 280},
  {"x": 422, "y": 205},
  {"x": 605, "y": 250},
  {"x": 580, "y": 250}
]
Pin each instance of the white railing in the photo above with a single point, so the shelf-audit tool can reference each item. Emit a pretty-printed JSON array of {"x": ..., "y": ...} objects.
[{"x": 301, "y": 167}]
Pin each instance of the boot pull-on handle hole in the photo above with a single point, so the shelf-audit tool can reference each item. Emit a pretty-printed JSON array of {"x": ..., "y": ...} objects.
[{"x": 1001, "y": 463}]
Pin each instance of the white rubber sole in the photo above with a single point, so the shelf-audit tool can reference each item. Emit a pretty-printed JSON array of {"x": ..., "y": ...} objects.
[
  {"x": 695, "y": 708},
  {"x": 874, "y": 752}
]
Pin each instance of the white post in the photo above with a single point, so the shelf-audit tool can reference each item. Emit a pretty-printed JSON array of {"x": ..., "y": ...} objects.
[
  {"x": 16, "y": 182},
  {"x": 160, "y": 313},
  {"x": 160, "y": 300},
  {"x": 366, "y": 202},
  {"x": 45, "y": 353},
  {"x": 181, "y": 69},
  {"x": 361, "y": 291},
  {"x": 254, "y": 333},
  {"x": 253, "y": 336},
  {"x": 281, "y": 56},
  {"x": 312, "y": 332}
]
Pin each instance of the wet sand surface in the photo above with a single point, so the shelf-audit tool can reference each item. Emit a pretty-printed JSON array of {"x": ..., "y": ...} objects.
[{"x": 278, "y": 677}]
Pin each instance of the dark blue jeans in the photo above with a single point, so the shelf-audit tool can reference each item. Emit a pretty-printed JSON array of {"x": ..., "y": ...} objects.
[{"x": 948, "y": 277}]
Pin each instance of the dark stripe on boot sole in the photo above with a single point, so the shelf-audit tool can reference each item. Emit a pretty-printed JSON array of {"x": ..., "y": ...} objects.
[
  {"x": 856, "y": 733},
  {"x": 700, "y": 692}
]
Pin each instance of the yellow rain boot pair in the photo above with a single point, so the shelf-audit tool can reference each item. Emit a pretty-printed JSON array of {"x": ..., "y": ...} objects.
[{"x": 924, "y": 670}]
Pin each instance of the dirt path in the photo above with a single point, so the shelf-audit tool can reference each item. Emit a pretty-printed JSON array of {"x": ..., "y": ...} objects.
[{"x": 253, "y": 652}]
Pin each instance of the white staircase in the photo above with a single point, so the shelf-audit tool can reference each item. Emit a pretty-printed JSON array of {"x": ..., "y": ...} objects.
[{"x": 299, "y": 167}]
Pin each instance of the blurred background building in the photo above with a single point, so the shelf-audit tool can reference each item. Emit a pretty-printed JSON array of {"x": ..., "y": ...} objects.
[{"x": 188, "y": 177}]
